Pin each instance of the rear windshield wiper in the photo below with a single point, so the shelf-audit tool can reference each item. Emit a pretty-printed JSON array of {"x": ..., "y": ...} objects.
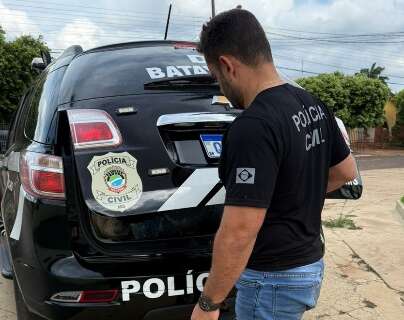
[{"x": 180, "y": 82}]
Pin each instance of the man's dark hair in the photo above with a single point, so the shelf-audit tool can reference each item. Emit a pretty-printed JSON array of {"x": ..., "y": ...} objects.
[{"x": 236, "y": 32}]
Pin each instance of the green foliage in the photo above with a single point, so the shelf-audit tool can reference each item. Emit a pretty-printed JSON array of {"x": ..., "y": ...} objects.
[
  {"x": 2, "y": 35},
  {"x": 15, "y": 70},
  {"x": 358, "y": 100},
  {"x": 374, "y": 73},
  {"x": 330, "y": 90},
  {"x": 400, "y": 107},
  {"x": 367, "y": 100},
  {"x": 341, "y": 222}
]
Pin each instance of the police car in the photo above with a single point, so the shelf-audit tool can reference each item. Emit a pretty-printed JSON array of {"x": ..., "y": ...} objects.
[{"x": 109, "y": 189}]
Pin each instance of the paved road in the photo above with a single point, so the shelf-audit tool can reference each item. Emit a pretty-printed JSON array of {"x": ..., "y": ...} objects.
[{"x": 380, "y": 162}]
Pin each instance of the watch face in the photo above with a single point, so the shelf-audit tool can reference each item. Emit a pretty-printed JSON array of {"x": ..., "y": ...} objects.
[{"x": 205, "y": 305}]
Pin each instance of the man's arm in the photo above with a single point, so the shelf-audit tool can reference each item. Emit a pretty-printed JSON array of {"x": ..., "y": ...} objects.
[
  {"x": 252, "y": 154},
  {"x": 341, "y": 173},
  {"x": 233, "y": 245}
]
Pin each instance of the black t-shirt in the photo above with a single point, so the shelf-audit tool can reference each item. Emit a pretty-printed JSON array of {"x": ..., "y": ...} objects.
[{"x": 277, "y": 155}]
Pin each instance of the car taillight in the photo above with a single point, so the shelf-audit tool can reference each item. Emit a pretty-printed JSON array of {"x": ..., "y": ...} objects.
[
  {"x": 87, "y": 296},
  {"x": 93, "y": 128},
  {"x": 42, "y": 175}
]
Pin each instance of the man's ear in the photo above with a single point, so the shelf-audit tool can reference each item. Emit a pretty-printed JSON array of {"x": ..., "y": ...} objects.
[{"x": 227, "y": 65}]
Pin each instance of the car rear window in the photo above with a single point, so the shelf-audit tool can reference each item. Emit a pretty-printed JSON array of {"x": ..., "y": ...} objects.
[
  {"x": 39, "y": 122},
  {"x": 126, "y": 70}
]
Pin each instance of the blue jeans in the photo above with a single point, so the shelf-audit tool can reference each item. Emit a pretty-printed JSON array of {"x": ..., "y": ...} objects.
[{"x": 280, "y": 295}]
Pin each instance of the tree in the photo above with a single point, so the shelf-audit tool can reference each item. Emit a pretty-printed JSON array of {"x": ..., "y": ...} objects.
[
  {"x": 374, "y": 73},
  {"x": 16, "y": 74},
  {"x": 367, "y": 98},
  {"x": 2, "y": 36},
  {"x": 358, "y": 100},
  {"x": 400, "y": 108},
  {"x": 330, "y": 90}
]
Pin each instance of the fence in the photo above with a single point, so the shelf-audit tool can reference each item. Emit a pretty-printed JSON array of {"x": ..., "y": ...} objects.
[
  {"x": 3, "y": 136},
  {"x": 357, "y": 139},
  {"x": 368, "y": 138}
]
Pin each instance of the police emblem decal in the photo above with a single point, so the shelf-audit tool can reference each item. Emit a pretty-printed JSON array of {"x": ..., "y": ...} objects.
[
  {"x": 116, "y": 179},
  {"x": 245, "y": 175},
  {"x": 115, "y": 182}
]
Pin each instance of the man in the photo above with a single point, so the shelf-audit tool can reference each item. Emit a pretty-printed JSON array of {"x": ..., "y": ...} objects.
[{"x": 280, "y": 157}]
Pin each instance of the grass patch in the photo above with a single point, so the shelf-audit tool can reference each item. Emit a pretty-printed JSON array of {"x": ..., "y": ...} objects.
[
  {"x": 402, "y": 199},
  {"x": 341, "y": 222}
]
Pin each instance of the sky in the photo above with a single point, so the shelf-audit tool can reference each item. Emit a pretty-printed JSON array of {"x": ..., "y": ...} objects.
[{"x": 307, "y": 36}]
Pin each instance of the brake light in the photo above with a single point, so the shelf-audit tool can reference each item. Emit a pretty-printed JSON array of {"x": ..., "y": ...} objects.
[
  {"x": 185, "y": 45},
  {"x": 93, "y": 128},
  {"x": 88, "y": 132},
  {"x": 94, "y": 296},
  {"x": 42, "y": 175}
]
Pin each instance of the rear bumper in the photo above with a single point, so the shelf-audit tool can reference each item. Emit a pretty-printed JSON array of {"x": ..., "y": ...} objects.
[
  {"x": 44, "y": 264},
  {"x": 175, "y": 301},
  {"x": 176, "y": 312}
]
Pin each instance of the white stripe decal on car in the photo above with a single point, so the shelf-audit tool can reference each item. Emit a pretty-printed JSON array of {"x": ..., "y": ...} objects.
[
  {"x": 16, "y": 231},
  {"x": 218, "y": 198},
  {"x": 193, "y": 190}
]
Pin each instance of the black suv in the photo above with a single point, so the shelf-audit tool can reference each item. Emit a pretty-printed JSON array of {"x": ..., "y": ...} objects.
[{"x": 109, "y": 189}]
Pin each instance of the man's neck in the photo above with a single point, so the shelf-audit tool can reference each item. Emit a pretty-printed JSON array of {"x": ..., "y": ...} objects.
[{"x": 260, "y": 79}]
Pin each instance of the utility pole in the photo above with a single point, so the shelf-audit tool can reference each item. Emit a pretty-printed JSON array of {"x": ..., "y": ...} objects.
[
  {"x": 213, "y": 8},
  {"x": 168, "y": 22}
]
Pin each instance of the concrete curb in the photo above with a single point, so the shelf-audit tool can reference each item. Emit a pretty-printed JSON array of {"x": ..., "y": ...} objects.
[{"x": 400, "y": 208}]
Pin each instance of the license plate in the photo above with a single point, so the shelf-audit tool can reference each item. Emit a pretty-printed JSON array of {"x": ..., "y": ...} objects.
[{"x": 212, "y": 144}]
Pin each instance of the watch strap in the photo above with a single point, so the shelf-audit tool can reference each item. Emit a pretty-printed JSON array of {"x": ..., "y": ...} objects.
[{"x": 206, "y": 304}]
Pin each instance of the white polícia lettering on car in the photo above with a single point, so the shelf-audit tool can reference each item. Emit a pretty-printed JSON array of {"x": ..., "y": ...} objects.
[{"x": 154, "y": 288}]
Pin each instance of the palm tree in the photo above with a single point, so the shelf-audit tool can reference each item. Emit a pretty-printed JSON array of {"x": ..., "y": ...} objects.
[{"x": 374, "y": 72}]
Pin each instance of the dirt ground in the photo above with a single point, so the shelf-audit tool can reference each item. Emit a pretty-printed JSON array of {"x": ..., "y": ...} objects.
[
  {"x": 364, "y": 276},
  {"x": 365, "y": 267}
]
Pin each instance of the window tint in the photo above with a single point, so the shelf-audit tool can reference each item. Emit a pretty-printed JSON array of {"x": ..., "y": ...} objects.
[
  {"x": 11, "y": 130},
  {"x": 14, "y": 125},
  {"x": 40, "y": 118}
]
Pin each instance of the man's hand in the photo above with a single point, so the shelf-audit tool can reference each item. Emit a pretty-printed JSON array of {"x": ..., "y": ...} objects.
[
  {"x": 233, "y": 245},
  {"x": 199, "y": 314}
]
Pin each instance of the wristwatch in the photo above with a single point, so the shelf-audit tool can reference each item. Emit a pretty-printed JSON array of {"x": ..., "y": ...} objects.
[{"x": 207, "y": 305}]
